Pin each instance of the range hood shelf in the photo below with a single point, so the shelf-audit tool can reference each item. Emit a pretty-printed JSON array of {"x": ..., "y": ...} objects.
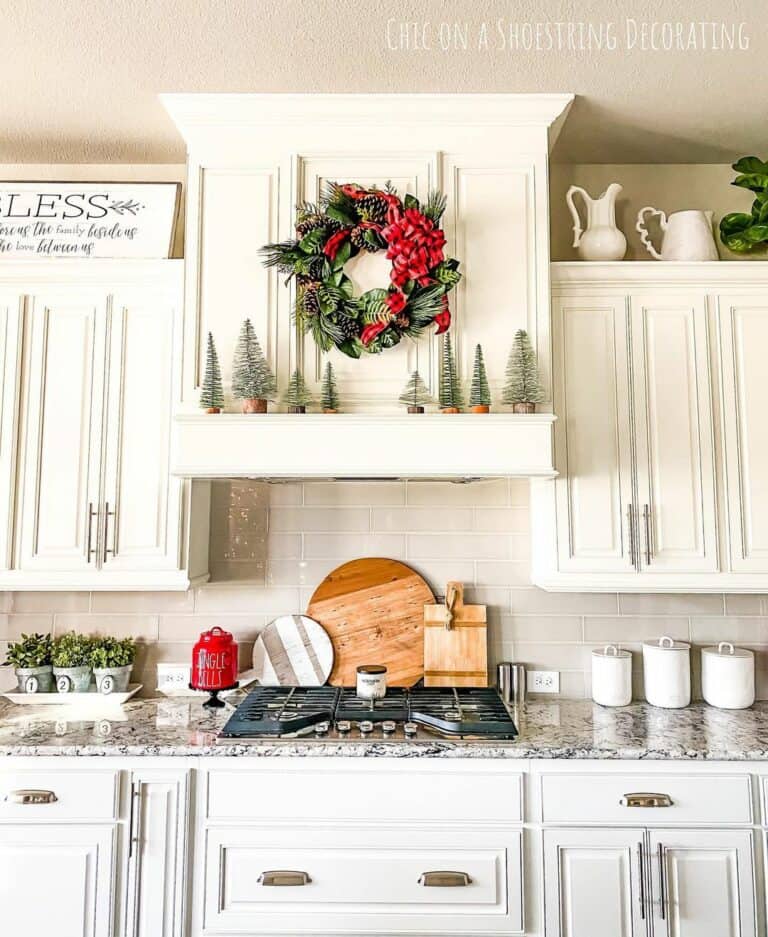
[{"x": 233, "y": 445}]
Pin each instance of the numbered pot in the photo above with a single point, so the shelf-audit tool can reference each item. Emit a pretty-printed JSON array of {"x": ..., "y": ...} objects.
[
  {"x": 35, "y": 679},
  {"x": 667, "y": 673},
  {"x": 72, "y": 679},
  {"x": 728, "y": 676},
  {"x": 112, "y": 679}
]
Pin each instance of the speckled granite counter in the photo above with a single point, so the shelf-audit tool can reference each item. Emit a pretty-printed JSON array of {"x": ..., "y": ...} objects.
[{"x": 563, "y": 729}]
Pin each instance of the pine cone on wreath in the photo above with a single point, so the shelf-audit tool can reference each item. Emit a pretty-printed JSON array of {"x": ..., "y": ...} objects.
[
  {"x": 347, "y": 326},
  {"x": 309, "y": 301},
  {"x": 309, "y": 223},
  {"x": 373, "y": 208},
  {"x": 358, "y": 239}
]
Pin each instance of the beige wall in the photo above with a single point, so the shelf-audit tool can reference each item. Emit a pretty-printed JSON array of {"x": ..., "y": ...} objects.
[
  {"x": 668, "y": 187},
  {"x": 275, "y": 543}
]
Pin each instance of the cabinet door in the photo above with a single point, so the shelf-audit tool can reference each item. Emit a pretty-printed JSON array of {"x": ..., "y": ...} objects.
[
  {"x": 141, "y": 506},
  {"x": 11, "y": 313},
  {"x": 593, "y": 883},
  {"x": 593, "y": 438},
  {"x": 743, "y": 331},
  {"x": 674, "y": 434},
  {"x": 703, "y": 883},
  {"x": 61, "y": 457},
  {"x": 56, "y": 879}
]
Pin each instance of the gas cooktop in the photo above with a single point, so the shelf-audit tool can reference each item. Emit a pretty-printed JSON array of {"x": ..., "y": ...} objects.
[{"x": 325, "y": 712}]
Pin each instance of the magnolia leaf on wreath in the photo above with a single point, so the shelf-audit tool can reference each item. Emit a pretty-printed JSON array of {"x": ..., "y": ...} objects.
[
  {"x": 312, "y": 243},
  {"x": 345, "y": 252}
]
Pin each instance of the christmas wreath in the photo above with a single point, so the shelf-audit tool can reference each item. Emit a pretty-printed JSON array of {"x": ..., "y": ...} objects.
[{"x": 350, "y": 219}]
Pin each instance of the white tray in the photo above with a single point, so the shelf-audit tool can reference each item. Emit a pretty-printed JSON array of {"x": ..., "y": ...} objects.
[{"x": 92, "y": 698}]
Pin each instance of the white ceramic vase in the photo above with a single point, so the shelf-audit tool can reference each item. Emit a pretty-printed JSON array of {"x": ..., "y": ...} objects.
[{"x": 601, "y": 239}]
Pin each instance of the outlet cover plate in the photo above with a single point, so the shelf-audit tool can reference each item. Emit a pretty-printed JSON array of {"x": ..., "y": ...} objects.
[{"x": 544, "y": 681}]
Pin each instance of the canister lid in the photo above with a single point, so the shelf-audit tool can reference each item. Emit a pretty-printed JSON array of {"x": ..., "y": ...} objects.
[
  {"x": 665, "y": 643},
  {"x": 727, "y": 651},
  {"x": 610, "y": 650}
]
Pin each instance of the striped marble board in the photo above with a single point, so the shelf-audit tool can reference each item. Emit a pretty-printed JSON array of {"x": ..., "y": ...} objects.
[{"x": 293, "y": 650}]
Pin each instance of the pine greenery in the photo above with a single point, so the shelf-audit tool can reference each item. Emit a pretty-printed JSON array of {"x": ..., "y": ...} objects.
[
  {"x": 415, "y": 392},
  {"x": 479, "y": 392},
  {"x": 211, "y": 393},
  {"x": 296, "y": 393},
  {"x": 450, "y": 388},
  {"x": 522, "y": 383},
  {"x": 252, "y": 377},
  {"x": 329, "y": 395}
]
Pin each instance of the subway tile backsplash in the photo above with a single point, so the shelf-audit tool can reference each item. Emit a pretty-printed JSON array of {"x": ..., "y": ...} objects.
[{"x": 271, "y": 544}]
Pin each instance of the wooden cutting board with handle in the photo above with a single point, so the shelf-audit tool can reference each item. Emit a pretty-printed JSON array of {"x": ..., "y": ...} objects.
[
  {"x": 455, "y": 641},
  {"x": 373, "y": 611}
]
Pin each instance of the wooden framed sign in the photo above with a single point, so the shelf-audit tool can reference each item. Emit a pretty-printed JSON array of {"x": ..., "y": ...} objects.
[{"x": 88, "y": 219}]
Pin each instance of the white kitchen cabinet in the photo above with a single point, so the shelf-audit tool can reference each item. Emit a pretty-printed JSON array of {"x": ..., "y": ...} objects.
[
  {"x": 703, "y": 883},
  {"x": 659, "y": 442},
  {"x": 595, "y": 883},
  {"x": 57, "y": 879},
  {"x": 11, "y": 319}
]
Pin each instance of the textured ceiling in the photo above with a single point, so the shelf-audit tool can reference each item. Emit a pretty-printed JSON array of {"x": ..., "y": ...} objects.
[{"x": 80, "y": 78}]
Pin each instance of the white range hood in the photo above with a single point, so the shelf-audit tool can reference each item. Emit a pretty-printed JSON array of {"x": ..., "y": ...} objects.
[{"x": 251, "y": 159}]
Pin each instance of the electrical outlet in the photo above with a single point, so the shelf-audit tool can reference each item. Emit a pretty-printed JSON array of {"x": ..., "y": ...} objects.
[{"x": 544, "y": 681}]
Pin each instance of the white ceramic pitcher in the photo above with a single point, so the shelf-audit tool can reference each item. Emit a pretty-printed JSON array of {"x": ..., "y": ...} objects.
[
  {"x": 601, "y": 240},
  {"x": 687, "y": 235}
]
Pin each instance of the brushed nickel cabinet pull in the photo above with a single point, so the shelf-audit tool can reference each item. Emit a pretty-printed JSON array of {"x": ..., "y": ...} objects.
[
  {"x": 89, "y": 549},
  {"x": 31, "y": 797},
  {"x": 631, "y": 522},
  {"x": 646, "y": 800},
  {"x": 107, "y": 515},
  {"x": 444, "y": 879},
  {"x": 662, "y": 882},
  {"x": 641, "y": 873},
  {"x": 647, "y": 522},
  {"x": 284, "y": 877}
]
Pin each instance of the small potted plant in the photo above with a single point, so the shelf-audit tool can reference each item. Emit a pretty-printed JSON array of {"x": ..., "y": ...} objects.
[
  {"x": 479, "y": 392},
  {"x": 112, "y": 661},
  {"x": 415, "y": 394},
  {"x": 252, "y": 378},
  {"x": 71, "y": 661},
  {"x": 31, "y": 658},
  {"x": 522, "y": 390}
]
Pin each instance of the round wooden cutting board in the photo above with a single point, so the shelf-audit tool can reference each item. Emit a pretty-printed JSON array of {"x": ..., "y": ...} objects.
[
  {"x": 373, "y": 611},
  {"x": 293, "y": 650}
]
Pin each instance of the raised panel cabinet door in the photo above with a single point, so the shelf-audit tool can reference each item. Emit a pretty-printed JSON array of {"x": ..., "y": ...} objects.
[
  {"x": 596, "y": 522},
  {"x": 141, "y": 510},
  {"x": 594, "y": 883},
  {"x": 57, "y": 879},
  {"x": 743, "y": 332},
  {"x": 61, "y": 433},
  {"x": 703, "y": 883},
  {"x": 674, "y": 433},
  {"x": 11, "y": 317}
]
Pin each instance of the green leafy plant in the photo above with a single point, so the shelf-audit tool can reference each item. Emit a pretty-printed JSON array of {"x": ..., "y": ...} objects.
[
  {"x": 72, "y": 650},
  {"x": 112, "y": 652},
  {"x": 33, "y": 650},
  {"x": 741, "y": 231}
]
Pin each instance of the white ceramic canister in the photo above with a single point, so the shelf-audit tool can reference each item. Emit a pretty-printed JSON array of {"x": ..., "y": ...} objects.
[
  {"x": 667, "y": 673},
  {"x": 611, "y": 676},
  {"x": 728, "y": 676}
]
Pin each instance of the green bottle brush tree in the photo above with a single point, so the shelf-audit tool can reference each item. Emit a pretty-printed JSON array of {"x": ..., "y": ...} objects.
[
  {"x": 297, "y": 396},
  {"x": 211, "y": 393},
  {"x": 451, "y": 396},
  {"x": 479, "y": 392},
  {"x": 252, "y": 379},
  {"x": 329, "y": 395},
  {"x": 415, "y": 394},
  {"x": 522, "y": 390}
]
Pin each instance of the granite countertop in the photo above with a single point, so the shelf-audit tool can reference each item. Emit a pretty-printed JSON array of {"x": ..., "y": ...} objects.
[{"x": 562, "y": 729}]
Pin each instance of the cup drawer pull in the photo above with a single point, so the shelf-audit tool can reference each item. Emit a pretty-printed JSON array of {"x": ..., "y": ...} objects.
[
  {"x": 282, "y": 877},
  {"x": 646, "y": 800},
  {"x": 31, "y": 797},
  {"x": 444, "y": 879}
]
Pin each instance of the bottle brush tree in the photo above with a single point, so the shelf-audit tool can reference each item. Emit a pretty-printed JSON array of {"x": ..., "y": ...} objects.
[
  {"x": 329, "y": 395},
  {"x": 252, "y": 379},
  {"x": 522, "y": 388},
  {"x": 451, "y": 397},
  {"x": 297, "y": 396},
  {"x": 415, "y": 394},
  {"x": 211, "y": 393},
  {"x": 479, "y": 392}
]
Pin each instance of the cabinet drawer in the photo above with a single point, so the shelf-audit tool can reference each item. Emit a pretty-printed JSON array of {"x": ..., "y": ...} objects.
[
  {"x": 597, "y": 798},
  {"x": 86, "y": 794},
  {"x": 304, "y": 793},
  {"x": 360, "y": 880}
]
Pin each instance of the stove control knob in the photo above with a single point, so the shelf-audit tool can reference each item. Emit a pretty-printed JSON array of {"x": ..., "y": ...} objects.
[
  {"x": 365, "y": 727},
  {"x": 388, "y": 726},
  {"x": 321, "y": 728},
  {"x": 410, "y": 728},
  {"x": 343, "y": 726}
]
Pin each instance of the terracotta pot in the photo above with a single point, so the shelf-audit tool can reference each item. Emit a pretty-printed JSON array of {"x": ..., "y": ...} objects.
[
  {"x": 415, "y": 409},
  {"x": 523, "y": 407},
  {"x": 254, "y": 405},
  {"x": 330, "y": 411},
  {"x": 299, "y": 409},
  {"x": 450, "y": 410},
  {"x": 213, "y": 410},
  {"x": 480, "y": 408}
]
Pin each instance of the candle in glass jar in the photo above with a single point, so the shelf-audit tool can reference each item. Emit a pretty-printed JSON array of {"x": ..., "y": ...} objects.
[{"x": 372, "y": 681}]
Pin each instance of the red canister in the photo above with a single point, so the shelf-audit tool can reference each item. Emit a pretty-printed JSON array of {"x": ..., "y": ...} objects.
[{"x": 214, "y": 664}]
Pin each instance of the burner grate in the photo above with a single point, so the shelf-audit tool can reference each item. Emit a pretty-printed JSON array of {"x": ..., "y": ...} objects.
[
  {"x": 394, "y": 706},
  {"x": 462, "y": 711},
  {"x": 280, "y": 710}
]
